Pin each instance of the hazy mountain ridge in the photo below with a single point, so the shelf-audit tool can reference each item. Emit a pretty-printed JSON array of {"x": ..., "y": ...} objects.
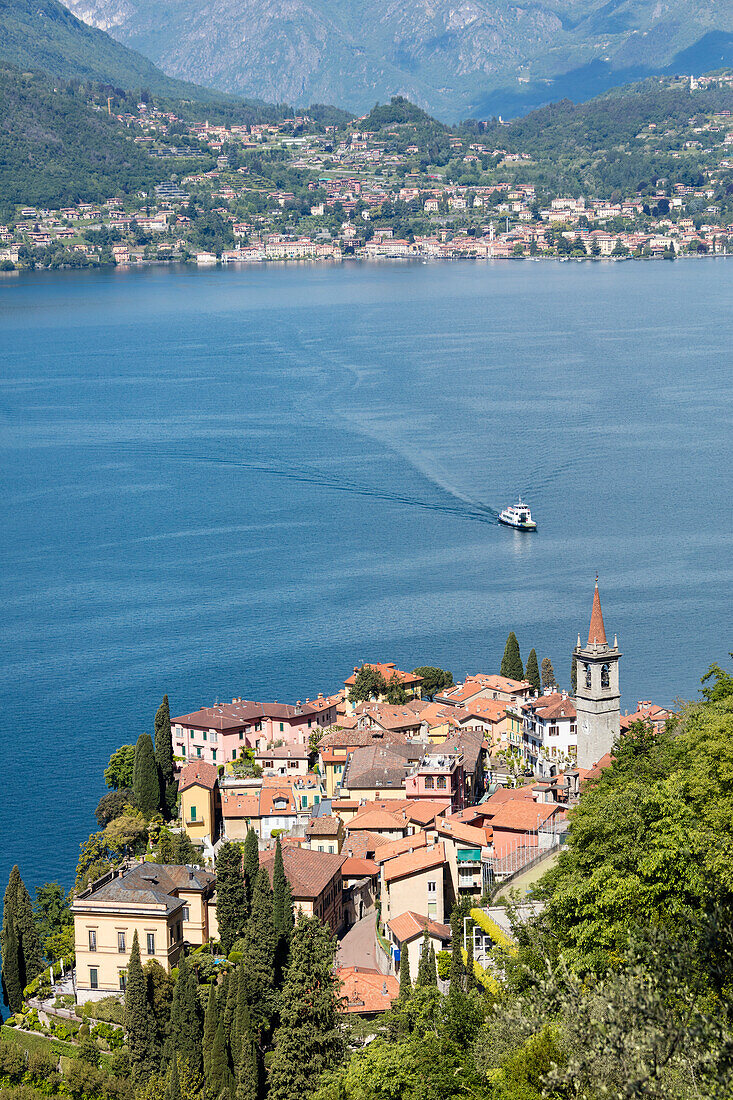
[{"x": 453, "y": 58}]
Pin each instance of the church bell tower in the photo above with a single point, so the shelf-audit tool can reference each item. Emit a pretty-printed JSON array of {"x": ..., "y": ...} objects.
[{"x": 597, "y": 693}]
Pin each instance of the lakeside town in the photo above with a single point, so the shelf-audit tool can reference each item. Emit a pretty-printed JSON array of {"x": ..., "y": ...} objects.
[
  {"x": 302, "y": 189},
  {"x": 389, "y": 805}
]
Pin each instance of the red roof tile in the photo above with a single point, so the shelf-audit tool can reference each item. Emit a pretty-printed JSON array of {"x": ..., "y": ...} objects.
[
  {"x": 365, "y": 990},
  {"x": 413, "y": 862},
  {"x": 198, "y": 773},
  {"x": 409, "y": 925}
]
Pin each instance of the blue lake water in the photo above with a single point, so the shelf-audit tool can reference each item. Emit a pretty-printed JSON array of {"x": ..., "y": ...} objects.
[{"x": 244, "y": 482}]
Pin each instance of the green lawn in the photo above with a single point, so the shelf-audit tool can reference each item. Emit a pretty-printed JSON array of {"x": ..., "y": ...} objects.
[{"x": 38, "y": 1042}]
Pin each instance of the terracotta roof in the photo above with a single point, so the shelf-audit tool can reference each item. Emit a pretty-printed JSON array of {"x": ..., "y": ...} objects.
[
  {"x": 198, "y": 773},
  {"x": 594, "y": 772},
  {"x": 413, "y": 862},
  {"x": 349, "y": 738},
  {"x": 393, "y": 717},
  {"x": 269, "y": 796},
  {"x": 353, "y": 867},
  {"x": 378, "y": 766},
  {"x": 284, "y": 752},
  {"x": 466, "y": 834},
  {"x": 409, "y": 925},
  {"x": 398, "y": 847},
  {"x": 307, "y": 871},
  {"x": 423, "y": 812},
  {"x": 521, "y": 815},
  {"x": 328, "y": 825},
  {"x": 481, "y": 682},
  {"x": 597, "y": 632},
  {"x": 377, "y": 819},
  {"x": 490, "y": 710},
  {"x": 553, "y": 706},
  {"x": 436, "y": 714},
  {"x": 364, "y": 990},
  {"x": 359, "y": 845},
  {"x": 240, "y": 805},
  {"x": 233, "y": 715},
  {"x": 388, "y": 671}
]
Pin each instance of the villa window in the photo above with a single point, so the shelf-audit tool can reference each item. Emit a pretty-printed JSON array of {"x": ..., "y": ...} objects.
[
  {"x": 123, "y": 980},
  {"x": 605, "y": 678},
  {"x": 198, "y": 751},
  {"x": 241, "y": 735},
  {"x": 150, "y": 937},
  {"x": 121, "y": 945},
  {"x": 282, "y": 727},
  {"x": 441, "y": 782},
  {"x": 213, "y": 754},
  {"x": 587, "y": 676},
  {"x": 432, "y": 888},
  {"x": 193, "y": 813},
  {"x": 553, "y": 731},
  {"x": 428, "y": 782},
  {"x": 186, "y": 912},
  {"x": 92, "y": 940},
  {"x": 93, "y": 977}
]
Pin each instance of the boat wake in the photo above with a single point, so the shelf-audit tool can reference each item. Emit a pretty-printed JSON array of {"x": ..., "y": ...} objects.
[{"x": 451, "y": 504}]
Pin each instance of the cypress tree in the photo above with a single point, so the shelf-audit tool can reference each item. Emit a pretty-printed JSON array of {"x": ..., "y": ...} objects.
[
  {"x": 12, "y": 985},
  {"x": 173, "y": 1090},
  {"x": 231, "y": 896},
  {"x": 248, "y": 1073},
  {"x": 211, "y": 1022},
  {"x": 425, "y": 977},
  {"x": 548, "y": 674},
  {"x": 145, "y": 781},
  {"x": 139, "y": 1023},
  {"x": 470, "y": 975},
  {"x": 20, "y": 944},
  {"x": 259, "y": 950},
  {"x": 573, "y": 674},
  {"x": 186, "y": 1030},
  {"x": 405, "y": 979},
  {"x": 456, "y": 958},
  {"x": 220, "y": 1080},
  {"x": 251, "y": 861},
  {"x": 282, "y": 913},
  {"x": 88, "y": 1049},
  {"x": 309, "y": 1040},
  {"x": 532, "y": 671},
  {"x": 164, "y": 757},
  {"x": 511, "y": 662}
]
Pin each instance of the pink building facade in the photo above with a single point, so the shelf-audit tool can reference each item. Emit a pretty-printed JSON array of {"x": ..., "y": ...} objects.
[{"x": 439, "y": 778}]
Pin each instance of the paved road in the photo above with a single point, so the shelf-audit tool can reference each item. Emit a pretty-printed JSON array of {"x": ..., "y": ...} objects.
[{"x": 359, "y": 946}]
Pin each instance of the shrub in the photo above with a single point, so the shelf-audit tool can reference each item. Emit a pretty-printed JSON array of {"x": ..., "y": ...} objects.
[
  {"x": 443, "y": 963},
  {"x": 12, "y": 1061}
]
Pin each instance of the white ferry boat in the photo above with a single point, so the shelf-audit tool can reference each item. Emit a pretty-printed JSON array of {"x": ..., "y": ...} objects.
[{"x": 519, "y": 516}]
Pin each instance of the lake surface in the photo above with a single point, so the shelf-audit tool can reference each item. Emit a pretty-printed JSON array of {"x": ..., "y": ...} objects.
[{"x": 245, "y": 482}]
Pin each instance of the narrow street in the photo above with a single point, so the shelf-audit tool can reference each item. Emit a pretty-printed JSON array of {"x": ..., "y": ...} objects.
[{"x": 359, "y": 946}]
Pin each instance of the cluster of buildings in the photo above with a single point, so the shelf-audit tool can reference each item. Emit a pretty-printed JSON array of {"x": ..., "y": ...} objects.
[
  {"x": 399, "y": 809},
  {"x": 359, "y": 190}
]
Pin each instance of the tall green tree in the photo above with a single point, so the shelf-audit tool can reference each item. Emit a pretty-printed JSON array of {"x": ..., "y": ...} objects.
[
  {"x": 145, "y": 780},
  {"x": 405, "y": 979},
  {"x": 231, "y": 896},
  {"x": 173, "y": 1089},
  {"x": 511, "y": 662},
  {"x": 309, "y": 1040},
  {"x": 220, "y": 1081},
  {"x": 138, "y": 1018},
  {"x": 396, "y": 694},
  {"x": 20, "y": 943},
  {"x": 164, "y": 757},
  {"x": 548, "y": 674},
  {"x": 573, "y": 674},
  {"x": 282, "y": 911},
  {"x": 251, "y": 862},
  {"x": 186, "y": 1024},
  {"x": 118, "y": 773},
  {"x": 532, "y": 671},
  {"x": 259, "y": 951},
  {"x": 434, "y": 680},
  {"x": 426, "y": 972},
  {"x": 456, "y": 958},
  {"x": 368, "y": 684},
  {"x": 211, "y": 1023}
]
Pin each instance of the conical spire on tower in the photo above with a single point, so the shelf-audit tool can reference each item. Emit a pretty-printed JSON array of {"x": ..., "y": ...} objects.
[{"x": 597, "y": 632}]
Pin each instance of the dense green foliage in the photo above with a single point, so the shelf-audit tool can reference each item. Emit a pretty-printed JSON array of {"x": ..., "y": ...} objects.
[
  {"x": 55, "y": 149},
  {"x": 548, "y": 673},
  {"x": 118, "y": 773},
  {"x": 309, "y": 1041},
  {"x": 434, "y": 680},
  {"x": 511, "y": 662},
  {"x": 368, "y": 684},
  {"x": 139, "y": 1019},
  {"x": 54, "y": 921},
  {"x": 232, "y": 905},
  {"x": 164, "y": 757}
]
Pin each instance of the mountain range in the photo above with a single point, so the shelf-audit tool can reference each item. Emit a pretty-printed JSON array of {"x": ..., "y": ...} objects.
[{"x": 456, "y": 58}]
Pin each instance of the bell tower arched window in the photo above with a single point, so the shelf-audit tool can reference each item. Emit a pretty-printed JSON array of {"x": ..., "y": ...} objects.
[
  {"x": 605, "y": 679},
  {"x": 587, "y": 676}
]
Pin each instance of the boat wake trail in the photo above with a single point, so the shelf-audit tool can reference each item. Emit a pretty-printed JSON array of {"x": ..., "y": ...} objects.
[{"x": 451, "y": 504}]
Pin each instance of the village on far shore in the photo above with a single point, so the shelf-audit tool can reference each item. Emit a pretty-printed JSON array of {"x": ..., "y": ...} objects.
[
  {"x": 357, "y": 192},
  {"x": 390, "y": 801}
]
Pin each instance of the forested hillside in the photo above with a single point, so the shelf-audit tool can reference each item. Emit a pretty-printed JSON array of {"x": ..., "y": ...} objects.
[{"x": 55, "y": 149}]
